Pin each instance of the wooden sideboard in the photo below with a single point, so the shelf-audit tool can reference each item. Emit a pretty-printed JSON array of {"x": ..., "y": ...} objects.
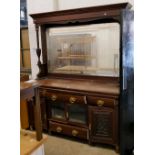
[
  {"x": 79, "y": 109},
  {"x": 87, "y": 106}
]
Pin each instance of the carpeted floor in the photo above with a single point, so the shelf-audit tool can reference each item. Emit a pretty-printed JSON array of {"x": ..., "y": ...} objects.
[{"x": 63, "y": 146}]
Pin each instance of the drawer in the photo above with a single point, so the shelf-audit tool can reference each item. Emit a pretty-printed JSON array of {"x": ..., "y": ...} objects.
[
  {"x": 68, "y": 130},
  {"x": 73, "y": 99},
  {"x": 63, "y": 97},
  {"x": 99, "y": 101},
  {"x": 52, "y": 95}
]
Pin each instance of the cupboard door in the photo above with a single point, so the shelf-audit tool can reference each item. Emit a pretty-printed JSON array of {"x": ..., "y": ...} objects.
[
  {"x": 57, "y": 110},
  {"x": 101, "y": 125},
  {"x": 77, "y": 113}
]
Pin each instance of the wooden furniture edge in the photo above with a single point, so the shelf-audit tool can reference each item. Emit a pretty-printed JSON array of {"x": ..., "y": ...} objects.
[{"x": 33, "y": 134}]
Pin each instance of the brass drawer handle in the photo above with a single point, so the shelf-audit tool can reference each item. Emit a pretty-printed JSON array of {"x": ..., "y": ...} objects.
[
  {"x": 59, "y": 129},
  {"x": 75, "y": 132},
  {"x": 53, "y": 97},
  {"x": 105, "y": 13},
  {"x": 100, "y": 103},
  {"x": 72, "y": 99}
]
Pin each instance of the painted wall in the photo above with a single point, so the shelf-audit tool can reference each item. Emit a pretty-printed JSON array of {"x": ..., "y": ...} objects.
[
  {"x": 68, "y": 4},
  {"x": 37, "y": 6}
]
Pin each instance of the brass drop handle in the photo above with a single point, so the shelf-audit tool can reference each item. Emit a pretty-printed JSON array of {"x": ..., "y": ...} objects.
[
  {"x": 59, "y": 129},
  {"x": 100, "y": 103},
  {"x": 53, "y": 97},
  {"x": 72, "y": 100},
  {"x": 75, "y": 132}
]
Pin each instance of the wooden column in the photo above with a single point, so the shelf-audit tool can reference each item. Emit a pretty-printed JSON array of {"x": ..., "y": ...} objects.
[
  {"x": 43, "y": 43},
  {"x": 38, "y": 50},
  {"x": 42, "y": 66},
  {"x": 37, "y": 112}
]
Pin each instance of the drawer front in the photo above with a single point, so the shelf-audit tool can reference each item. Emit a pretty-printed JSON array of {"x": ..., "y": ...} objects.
[
  {"x": 52, "y": 95},
  {"x": 101, "y": 102},
  {"x": 68, "y": 130},
  {"x": 63, "y": 97}
]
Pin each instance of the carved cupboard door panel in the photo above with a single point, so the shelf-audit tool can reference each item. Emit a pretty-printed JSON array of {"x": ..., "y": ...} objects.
[{"x": 101, "y": 124}]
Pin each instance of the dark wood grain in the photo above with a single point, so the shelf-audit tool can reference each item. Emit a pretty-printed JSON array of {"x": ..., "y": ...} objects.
[
  {"x": 80, "y": 14},
  {"x": 107, "y": 102},
  {"x": 37, "y": 112},
  {"x": 102, "y": 125},
  {"x": 68, "y": 129},
  {"x": 93, "y": 88},
  {"x": 27, "y": 91}
]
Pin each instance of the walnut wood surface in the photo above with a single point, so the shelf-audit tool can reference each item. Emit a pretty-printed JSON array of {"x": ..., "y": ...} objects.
[
  {"x": 37, "y": 114},
  {"x": 107, "y": 102},
  {"x": 85, "y": 91},
  {"x": 27, "y": 91},
  {"x": 61, "y": 97},
  {"x": 102, "y": 125},
  {"x": 92, "y": 86},
  {"x": 73, "y": 15},
  {"x": 68, "y": 130},
  {"x": 28, "y": 143},
  {"x": 24, "y": 115}
]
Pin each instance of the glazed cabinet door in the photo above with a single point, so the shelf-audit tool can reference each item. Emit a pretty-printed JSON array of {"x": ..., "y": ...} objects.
[
  {"x": 101, "y": 125},
  {"x": 77, "y": 113},
  {"x": 56, "y": 110}
]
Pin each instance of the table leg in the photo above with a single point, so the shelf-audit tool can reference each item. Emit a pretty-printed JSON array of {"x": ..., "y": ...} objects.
[{"x": 37, "y": 117}]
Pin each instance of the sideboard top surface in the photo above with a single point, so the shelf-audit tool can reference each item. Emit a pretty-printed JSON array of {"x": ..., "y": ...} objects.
[{"x": 90, "y": 86}]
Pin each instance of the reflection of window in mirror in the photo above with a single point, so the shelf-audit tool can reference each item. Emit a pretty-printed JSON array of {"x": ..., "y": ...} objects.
[
  {"x": 25, "y": 60},
  {"x": 89, "y": 50}
]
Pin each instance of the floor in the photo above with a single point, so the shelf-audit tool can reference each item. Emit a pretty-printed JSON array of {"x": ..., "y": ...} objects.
[{"x": 63, "y": 146}]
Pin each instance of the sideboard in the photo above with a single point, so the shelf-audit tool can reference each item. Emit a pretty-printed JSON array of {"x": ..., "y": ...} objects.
[{"x": 83, "y": 72}]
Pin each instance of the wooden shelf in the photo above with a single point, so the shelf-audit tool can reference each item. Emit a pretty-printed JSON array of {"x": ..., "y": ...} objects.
[
  {"x": 76, "y": 68},
  {"x": 84, "y": 68},
  {"x": 82, "y": 39},
  {"x": 77, "y": 57}
]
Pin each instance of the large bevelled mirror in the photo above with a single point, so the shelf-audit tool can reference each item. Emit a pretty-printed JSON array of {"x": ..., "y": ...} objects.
[{"x": 87, "y": 50}]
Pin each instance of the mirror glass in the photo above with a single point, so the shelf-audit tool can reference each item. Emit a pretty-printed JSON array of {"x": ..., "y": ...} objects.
[{"x": 86, "y": 50}]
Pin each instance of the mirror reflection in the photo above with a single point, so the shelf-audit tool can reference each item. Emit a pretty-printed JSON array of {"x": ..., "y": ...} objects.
[{"x": 87, "y": 50}]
